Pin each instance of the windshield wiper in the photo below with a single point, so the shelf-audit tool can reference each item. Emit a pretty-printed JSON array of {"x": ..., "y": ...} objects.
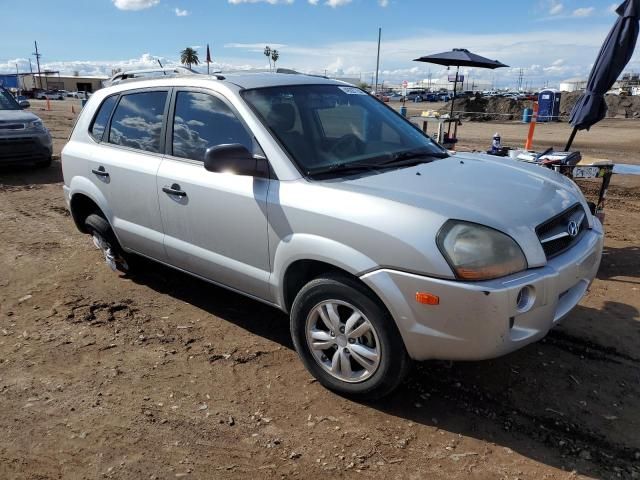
[
  {"x": 342, "y": 167},
  {"x": 406, "y": 156}
]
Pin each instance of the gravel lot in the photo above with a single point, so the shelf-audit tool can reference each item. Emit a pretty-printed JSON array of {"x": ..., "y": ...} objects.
[{"x": 160, "y": 375}]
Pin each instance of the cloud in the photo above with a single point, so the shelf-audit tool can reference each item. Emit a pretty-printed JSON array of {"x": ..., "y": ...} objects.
[
  {"x": 254, "y": 47},
  {"x": 383, "y": 3},
  {"x": 556, "y": 8},
  {"x": 135, "y": 4},
  {"x": 270, "y": 2},
  {"x": 181, "y": 13},
  {"x": 337, "y": 3},
  {"x": 569, "y": 52},
  {"x": 583, "y": 12},
  {"x": 313, "y": 2}
]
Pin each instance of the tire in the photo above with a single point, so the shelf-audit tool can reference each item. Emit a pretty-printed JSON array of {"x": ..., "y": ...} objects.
[
  {"x": 363, "y": 376},
  {"x": 105, "y": 240}
]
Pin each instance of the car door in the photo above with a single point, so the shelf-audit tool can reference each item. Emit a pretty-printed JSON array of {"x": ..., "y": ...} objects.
[
  {"x": 215, "y": 224},
  {"x": 125, "y": 164}
]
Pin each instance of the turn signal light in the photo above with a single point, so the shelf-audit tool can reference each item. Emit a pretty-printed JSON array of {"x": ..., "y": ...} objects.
[{"x": 427, "y": 298}]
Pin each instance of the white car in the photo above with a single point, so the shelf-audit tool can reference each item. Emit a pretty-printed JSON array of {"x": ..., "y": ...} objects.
[{"x": 310, "y": 195}]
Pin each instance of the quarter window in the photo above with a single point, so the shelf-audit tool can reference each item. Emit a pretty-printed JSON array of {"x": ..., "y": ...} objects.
[
  {"x": 202, "y": 121},
  {"x": 102, "y": 117},
  {"x": 137, "y": 121}
]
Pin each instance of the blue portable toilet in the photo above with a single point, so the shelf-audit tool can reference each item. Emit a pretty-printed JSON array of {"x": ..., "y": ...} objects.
[{"x": 549, "y": 105}]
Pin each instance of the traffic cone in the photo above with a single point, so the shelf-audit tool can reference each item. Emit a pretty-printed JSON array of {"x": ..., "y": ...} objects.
[{"x": 48, "y": 105}]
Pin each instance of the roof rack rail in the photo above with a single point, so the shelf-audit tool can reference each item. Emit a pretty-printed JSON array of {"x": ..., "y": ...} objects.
[{"x": 145, "y": 74}]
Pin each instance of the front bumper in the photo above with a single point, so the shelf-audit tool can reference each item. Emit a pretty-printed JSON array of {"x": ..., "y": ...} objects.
[
  {"x": 23, "y": 148},
  {"x": 481, "y": 320}
]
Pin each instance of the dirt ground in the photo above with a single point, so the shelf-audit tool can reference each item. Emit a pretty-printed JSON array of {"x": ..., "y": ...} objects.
[{"x": 160, "y": 375}]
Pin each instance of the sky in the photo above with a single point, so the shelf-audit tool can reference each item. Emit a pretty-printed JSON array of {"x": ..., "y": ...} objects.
[{"x": 551, "y": 40}]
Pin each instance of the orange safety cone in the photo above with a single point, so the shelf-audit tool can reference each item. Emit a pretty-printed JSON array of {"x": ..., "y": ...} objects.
[{"x": 532, "y": 127}]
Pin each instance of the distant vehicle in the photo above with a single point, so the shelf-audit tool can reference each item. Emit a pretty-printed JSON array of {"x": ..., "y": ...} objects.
[
  {"x": 431, "y": 97},
  {"x": 395, "y": 97},
  {"x": 22, "y": 101},
  {"x": 50, "y": 94},
  {"x": 416, "y": 95},
  {"x": 444, "y": 97},
  {"x": 76, "y": 94},
  {"x": 23, "y": 137}
]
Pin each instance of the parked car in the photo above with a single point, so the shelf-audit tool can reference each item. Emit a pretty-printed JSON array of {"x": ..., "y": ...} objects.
[
  {"x": 23, "y": 137},
  {"x": 306, "y": 194},
  {"x": 49, "y": 94},
  {"x": 395, "y": 97},
  {"x": 444, "y": 97},
  {"x": 80, "y": 95},
  {"x": 23, "y": 101},
  {"x": 416, "y": 95}
]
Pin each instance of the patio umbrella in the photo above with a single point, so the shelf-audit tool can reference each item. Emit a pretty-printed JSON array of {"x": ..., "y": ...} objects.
[
  {"x": 614, "y": 55},
  {"x": 460, "y": 57}
]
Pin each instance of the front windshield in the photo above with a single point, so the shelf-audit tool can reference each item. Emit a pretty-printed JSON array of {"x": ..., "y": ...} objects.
[
  {"x": 7, "y": 102},
  {"x": 324, "y": 126}
]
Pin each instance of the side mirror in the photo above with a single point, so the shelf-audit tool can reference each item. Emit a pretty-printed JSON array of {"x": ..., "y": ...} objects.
[{"x": 234, "y": 158}]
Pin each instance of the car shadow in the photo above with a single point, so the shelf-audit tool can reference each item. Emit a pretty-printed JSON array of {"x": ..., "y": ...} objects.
[
  {"x": 620, "y": 262},
  {"x": 553, "y": 401},
  {"x": 27, "y": 175}
]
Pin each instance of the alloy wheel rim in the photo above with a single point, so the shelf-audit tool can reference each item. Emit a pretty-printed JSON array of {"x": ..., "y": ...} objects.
[
  {"x": 111, "y": 259},
  {"x": 343, "y": 341}
]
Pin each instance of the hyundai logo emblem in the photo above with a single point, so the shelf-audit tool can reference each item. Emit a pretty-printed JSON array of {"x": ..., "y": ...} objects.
[{"x": 573, "y": 229}]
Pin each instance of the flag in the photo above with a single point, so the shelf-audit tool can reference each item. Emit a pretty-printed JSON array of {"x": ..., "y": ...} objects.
[{"x": 208, "y": 58}]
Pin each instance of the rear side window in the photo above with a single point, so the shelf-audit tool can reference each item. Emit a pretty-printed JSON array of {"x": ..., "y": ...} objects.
[
  {"x": 137, "y": 121},
  {"x": 102, "y": 118},
  {"x": 202, "y": 121}
]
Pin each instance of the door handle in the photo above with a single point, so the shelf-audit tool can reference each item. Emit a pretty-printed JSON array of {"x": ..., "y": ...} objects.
[
  {"x": 100, "y": 172},
  {"x": 174, "y": 190}
]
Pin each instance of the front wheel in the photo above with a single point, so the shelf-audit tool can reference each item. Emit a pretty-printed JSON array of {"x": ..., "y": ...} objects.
[
  {"x": 346, "y": 338},
  {"x": 105, "y": 240}
]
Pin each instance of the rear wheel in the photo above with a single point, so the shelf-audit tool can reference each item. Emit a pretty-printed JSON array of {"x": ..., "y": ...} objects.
[
  {"x": 105, "y": 240},
  {"x": 347, "y": 339}
]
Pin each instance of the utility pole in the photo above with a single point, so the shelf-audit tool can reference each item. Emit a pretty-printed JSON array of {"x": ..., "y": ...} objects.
[
  {"x": 378, "y": 60},
  {"x": 18, "y": 78},
  {"x": 38, "y": 55}
]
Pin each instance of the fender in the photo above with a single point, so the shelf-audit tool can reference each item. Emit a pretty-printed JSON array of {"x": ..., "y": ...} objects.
[
  {"x": 84, "y": 186},
  {"x": 304, "y": 246}
]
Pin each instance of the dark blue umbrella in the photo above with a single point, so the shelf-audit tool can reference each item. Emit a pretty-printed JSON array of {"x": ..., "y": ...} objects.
[{"x": 614, "y": 55}]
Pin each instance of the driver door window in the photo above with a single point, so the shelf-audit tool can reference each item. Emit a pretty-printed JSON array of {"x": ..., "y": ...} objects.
[{"x": 202, "y": 121}]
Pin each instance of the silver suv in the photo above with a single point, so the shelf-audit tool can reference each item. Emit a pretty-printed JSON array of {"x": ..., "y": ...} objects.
[{"x": 314, "y": 197}]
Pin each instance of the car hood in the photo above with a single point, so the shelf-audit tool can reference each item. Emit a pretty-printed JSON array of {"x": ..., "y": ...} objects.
[
  {"x": 17, "y": 116},
  {"x": 505, "y": 194}
]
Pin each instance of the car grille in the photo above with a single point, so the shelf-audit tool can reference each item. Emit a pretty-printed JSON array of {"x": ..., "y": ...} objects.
[
  {"x": 12, "y": 126},
  {"x": 19, "y": 148},
  {"x": 556, "y": 234}
]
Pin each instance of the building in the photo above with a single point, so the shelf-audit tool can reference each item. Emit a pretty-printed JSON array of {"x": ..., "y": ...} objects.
[
  {"x": 573, "y": 85},
  {"x": 55, "y": 81}
]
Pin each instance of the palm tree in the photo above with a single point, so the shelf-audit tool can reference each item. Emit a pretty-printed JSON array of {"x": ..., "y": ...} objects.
[
  {"x": 189, "y": 57},
  {"x": 274, "y": 56},
  {"x": 267, "y": 53}
]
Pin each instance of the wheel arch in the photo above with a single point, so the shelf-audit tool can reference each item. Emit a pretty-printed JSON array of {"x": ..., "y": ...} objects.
[
  {"x": 86, "y": 199},
  {"x": 302, "y": 258}
]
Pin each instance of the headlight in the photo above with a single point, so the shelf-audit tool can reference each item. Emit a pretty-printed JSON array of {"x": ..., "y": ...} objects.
[
  {"x": 476, "y": 252},
  {"x": 36, "y": 125}
]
